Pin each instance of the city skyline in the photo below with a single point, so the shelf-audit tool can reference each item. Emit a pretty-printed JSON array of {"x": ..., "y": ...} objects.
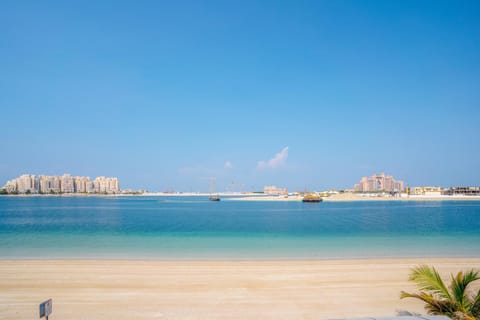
[
  {"x": 311, "y": 95},
  {"x": 66, "y": 183}
]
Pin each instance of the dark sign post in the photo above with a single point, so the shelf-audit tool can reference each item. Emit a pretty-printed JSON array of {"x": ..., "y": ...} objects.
[{"x": 46, "y": 308}]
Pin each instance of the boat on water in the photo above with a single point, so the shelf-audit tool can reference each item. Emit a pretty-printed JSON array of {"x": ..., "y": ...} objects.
[
  {"x": 214, "y": 197},
  {"x": 312, "y": 197}
]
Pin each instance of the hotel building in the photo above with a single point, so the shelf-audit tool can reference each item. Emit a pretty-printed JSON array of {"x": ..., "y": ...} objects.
[
  {"x": 379, "y": 182},
  {"x": 273, "y": 190}
]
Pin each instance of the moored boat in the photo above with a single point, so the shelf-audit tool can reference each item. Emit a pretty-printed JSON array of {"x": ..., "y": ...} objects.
[
  {"x": 312, "y": 197},
  {"x": 214, "y": 197}
]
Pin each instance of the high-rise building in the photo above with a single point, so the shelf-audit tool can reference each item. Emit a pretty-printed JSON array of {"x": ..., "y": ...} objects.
[
  {"x": 379, "y": 182},
  {"x": 113, "y": 185},
  {"x": 56, "y": 184},
  {"x": 26, "y": 183},
  {"x": 66, "y": 184},
  {"x": 45, "y": 184},
  {"x": 106, "y": 185},
  {"x": 99, "y": 185},
  {"x": 89, "y": 188},
  {"x": 80, "y": 184},
  {"x": 61, "y": 184}
]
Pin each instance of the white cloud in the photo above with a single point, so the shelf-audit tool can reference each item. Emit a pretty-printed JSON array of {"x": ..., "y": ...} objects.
[
  {"x": 279, "y": 160},
  {"x": 228, "y": 165}
]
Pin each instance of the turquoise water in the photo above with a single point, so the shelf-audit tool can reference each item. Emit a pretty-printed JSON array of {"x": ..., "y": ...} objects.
[{"x": 195, "y": 228}]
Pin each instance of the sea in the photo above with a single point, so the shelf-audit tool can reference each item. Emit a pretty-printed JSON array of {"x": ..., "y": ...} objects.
[{"x": 194, "y": 228}]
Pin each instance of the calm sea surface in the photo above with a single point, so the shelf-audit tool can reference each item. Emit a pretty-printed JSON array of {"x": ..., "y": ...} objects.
[{"x": 195, "y": 228}]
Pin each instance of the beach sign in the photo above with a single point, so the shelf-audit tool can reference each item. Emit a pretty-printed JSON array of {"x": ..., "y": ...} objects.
[{"x": 46, "y": 308}]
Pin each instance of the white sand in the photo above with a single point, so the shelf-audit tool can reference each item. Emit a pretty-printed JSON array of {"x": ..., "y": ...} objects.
[{"x": 212, "y": 289}]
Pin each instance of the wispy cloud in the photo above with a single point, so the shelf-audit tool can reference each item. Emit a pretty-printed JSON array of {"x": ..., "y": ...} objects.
[
  {"x": 279, "y": 160},
  {"x": 228, "y": 165}
]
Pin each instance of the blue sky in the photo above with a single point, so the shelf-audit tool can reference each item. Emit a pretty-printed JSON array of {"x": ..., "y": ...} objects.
[{"x": 301, "y": 94}]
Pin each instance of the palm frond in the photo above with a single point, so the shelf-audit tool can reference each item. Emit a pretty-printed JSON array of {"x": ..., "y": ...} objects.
[
  {"x": 456, "y": 304},
  {"x": 462, "y": 316},
  {"x": 432, "y": 305},
  {"x": 429, "y": 280},
  {"x": 475, "y": 308},
  {"x": 459, "y": 288}
]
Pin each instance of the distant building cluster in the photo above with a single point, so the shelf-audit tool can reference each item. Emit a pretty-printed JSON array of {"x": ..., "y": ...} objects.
[
  {"x": 379, "y": 182},
  {"x": 467, "y": 191},
  {"x": 439, "y": 191},
  {"x": 28, "y": 183},
  {"x": 425, "y": 191},
  {"x": 273, "y": 190}
]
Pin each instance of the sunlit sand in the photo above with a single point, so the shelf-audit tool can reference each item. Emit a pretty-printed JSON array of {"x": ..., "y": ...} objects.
[{"x": 93, "y": 289}]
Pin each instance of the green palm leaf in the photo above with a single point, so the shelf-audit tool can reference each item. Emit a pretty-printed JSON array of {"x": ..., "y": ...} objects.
[
  {"x": 433, "y": 306},
  {"x": 459, "y": 288},
  {"x": 475, "y": 308},
  {"x": 439, "y": 300},
  {"x": 429, "y": 280}
]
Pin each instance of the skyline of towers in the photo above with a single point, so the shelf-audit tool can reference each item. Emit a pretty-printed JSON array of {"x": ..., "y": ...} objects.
[{"x": 66, "y": 183}]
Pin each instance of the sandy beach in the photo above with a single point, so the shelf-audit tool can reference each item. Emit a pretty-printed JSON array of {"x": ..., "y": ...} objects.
[{"x": 89, "y": 289}]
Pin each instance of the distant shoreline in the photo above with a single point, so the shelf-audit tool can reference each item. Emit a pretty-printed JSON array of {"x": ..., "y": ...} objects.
[
  {"x": 332, "y": 198},
  {"x": 355, "y": 197},
  {"x": 341, "y": 197}
]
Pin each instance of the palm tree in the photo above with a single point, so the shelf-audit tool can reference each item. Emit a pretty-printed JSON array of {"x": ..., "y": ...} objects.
[{"x": 456, "y": 302}]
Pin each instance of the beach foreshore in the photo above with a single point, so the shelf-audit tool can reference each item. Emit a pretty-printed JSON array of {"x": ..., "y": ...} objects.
[{"x": 129, "y": 289}]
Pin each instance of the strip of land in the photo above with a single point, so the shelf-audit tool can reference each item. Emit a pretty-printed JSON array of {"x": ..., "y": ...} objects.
[
  {"x": 346, "y": 197},
  {"x": 89, "y": 289},
  {"x": 340, "y": 197}
]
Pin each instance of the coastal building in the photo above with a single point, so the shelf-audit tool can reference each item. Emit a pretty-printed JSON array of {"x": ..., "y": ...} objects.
[
  {"x": 113, "y": 186},
  {"x": 27, "y": 184},
  {"x": 82, "y": 185},
  {"x": 106, "y": 185},
  {"x": 273, "y": 190},
  {"x": 379, "y": 182},
  {"x": 56, "y": 184},
  {"x": 425, "y": 191},
  {"x": 66, "y": 184},
  {"x": 462, "y": 191},
  {"x": 10, "y": 186},
  {"x": 61, "y": 184},
  {"x": 45, "y": 184},
  {"x": 99, "y": 185},
  {"x": 89, "y": 186}
]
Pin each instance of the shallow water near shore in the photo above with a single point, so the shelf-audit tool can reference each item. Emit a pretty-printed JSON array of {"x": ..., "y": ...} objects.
[{"x": 193, "y": 228}]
